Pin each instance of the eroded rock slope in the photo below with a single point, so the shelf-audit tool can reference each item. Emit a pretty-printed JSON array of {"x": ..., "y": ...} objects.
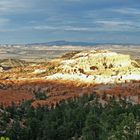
[{"x": 100, "y": 66}]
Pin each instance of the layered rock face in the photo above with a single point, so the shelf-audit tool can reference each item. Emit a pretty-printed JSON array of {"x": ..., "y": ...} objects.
[
  {"x": 94, "y": 60},
  {"x": 98, "y": 66}
]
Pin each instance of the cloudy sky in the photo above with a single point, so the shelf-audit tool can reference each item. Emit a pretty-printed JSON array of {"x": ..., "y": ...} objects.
[{"x": 102, "y": 21}]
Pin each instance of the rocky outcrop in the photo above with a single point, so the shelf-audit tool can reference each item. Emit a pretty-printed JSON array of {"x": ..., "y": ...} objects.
[
  {"x": 95, "y": 60},
  {"x": 39, "y": 71},
  {"x": 98, "y": 67}
]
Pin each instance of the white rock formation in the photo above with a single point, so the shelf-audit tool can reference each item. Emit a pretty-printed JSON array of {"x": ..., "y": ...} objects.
[
  {"x": 98, "y": 67},
  {"x": 39, "y": 71}
]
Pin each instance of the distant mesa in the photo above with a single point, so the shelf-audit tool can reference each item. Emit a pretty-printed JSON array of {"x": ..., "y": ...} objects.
[
  {"x": 76, "y": 43},
  {"x": 63, "y": 42}
]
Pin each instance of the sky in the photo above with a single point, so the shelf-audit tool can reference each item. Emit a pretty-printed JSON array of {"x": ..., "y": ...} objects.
[{"x": 99, "y": 21}]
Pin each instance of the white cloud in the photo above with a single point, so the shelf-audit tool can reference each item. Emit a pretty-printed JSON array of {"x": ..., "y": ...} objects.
[
  {"x": 97, "y": 26},
  {"x": 70, "y": 28},
  {"x": 118, "y": 25},
  {"x": 114, "y": 23},
  {"x": 11, "y": 6},
  {"x": 45, "y": 27},
  {"x": 62, "y": 28},
  {"x": 130, "y": 11}
]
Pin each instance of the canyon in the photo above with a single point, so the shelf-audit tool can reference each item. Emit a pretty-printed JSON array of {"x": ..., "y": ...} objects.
[{"x": 102, "y": 72}]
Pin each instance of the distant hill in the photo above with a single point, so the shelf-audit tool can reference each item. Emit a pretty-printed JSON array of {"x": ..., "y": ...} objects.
[
  {"x": 63, "y": 42},
  {"x": 76, "y": 43}
]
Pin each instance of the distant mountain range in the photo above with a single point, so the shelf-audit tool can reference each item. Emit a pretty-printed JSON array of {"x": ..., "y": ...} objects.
[
  {"x": 78, "y": 43},
  {"x": 71, "y": 43},
  {"x": 63, "y": 42}
]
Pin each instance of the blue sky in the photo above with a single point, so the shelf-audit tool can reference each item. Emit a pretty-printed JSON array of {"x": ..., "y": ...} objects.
[{"x": 102, "y": 21}]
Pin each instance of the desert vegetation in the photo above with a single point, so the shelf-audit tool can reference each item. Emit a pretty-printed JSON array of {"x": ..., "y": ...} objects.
[{"x": 84, "y": 118}]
